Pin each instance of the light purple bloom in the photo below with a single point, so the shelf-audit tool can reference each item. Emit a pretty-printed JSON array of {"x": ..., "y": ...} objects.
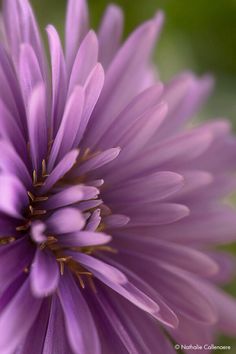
[{"x": 110, "y": 204}]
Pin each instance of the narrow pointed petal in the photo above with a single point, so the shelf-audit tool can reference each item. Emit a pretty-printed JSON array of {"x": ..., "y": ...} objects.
[
  {"x": 23, "y": 305},
  {"x": 59, "y": 86},
  {"x": 158, "y": 186},
  {"x": 69, "y": 127},
  {"x": 55, "y": 329},
  {"x": 97, "y": 161},
  {"x": 37, "y": 126},
  {"x": 80, "y": 326},
  {"x": 85, "y": 61},
  {"x": 116, "y": 280},
  {"x": 70, "y": 196},
  {"x": 93, "y": 87},
  {"x": 155, "y": 213},
  {"x": 76, "y": 27},
  {"x": 125, "y": 74},
  {"x": 11, "y": 132},
  {"x": 84, "y": 239},
  {"x": 109, "y": 34},
  {"x": 60, "y": 170},
  {"x": 29, "y": 71},
  {"x": 21, "y": 27}
]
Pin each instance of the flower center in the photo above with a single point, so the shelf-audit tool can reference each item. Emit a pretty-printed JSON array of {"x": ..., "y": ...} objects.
[{"x": 36, "y": 216}]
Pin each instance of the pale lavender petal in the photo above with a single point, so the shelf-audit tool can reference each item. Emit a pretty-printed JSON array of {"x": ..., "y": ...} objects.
[
  {"x": 94, "y": 221},
  {"x": 22, "y": 306},
  {"x": 184, "y": 96},
  {"x": 154, "y": 187},
  {"x": 13, "y": 196},
  {"x": 97, "y": 161},
  {"x": 85, "y": 61},
  {"x": 21, "y": 27},
  {"x": 124, "y": 75},
  {"x": 83, "y": 206},
  {"x": 80, "y": 326},
  {"x": 164, "y": 156},
  {"x": 37, "y": 126},
  {"x": 60, "y": 170},
  {"x": 65, "y": 220},
  {"x": 84, "y": 239},
  {"x": 29, "y": 71},
  {"x": 69, "y": 127},
  {"x": 128, "y": 116},
  {"x": 44, "y": 274},
  {"x": 138, "y": 137},
  {"x": 155, "y": 213},
  {"x": 116, "y": 220},
  {"x": 59, "y": 85},
  {"x": 70, "y": 196},
  {"x": 93, "y": 87},
  {"x": 75, "y": 28},
  {"x": 109, "y": 34},
  {"x": 181, "y": 256},
  {"x": 103, "y": 270},
  {"x": 118, "y": 282}
]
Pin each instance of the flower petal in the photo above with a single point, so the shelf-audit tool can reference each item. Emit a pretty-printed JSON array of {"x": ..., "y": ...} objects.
[
  {"x": 109, "y": 34},
  {"x": 76, "y": 27},
  {"x": 60, "y": 170},
  {"x": 65, "y": 220},
  {"x": 55, "y": 329},
  {"x": 22, "y": 306},
  {"x": 59, "y": 85},
  {"x": 84, "y": 239},
  {"x": 44, "y": 274},
  {"x": 97, "y": 161},
  {"x": 69, "y": 127},
  {"x": 125, "y": 75},
  {"x": 37, "y": 126},
  {"x": 80, "y": 326},
  {"x": 85, "y": 61},
  {"x": 29, "y": 71},
  {"x": 13, "y": 196},
  {"x": 116, "y": 280},
  {"x": 158, "y": 186}
]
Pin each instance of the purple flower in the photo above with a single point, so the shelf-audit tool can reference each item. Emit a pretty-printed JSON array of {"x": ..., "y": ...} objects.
[{"x": 110, "y": 203}]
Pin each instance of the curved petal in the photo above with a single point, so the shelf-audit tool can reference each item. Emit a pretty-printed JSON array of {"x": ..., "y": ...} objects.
[
  {"x": 13, "y": 196},
  {"x": 44, "y": 274},
  {"x": 22, "y": 306},
  {"x": 60, "y": 170},
  {"x": 80, "y": 326}
]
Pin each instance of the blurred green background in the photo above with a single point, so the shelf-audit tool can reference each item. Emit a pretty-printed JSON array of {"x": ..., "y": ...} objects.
[{"x": 199, "y": 35}]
